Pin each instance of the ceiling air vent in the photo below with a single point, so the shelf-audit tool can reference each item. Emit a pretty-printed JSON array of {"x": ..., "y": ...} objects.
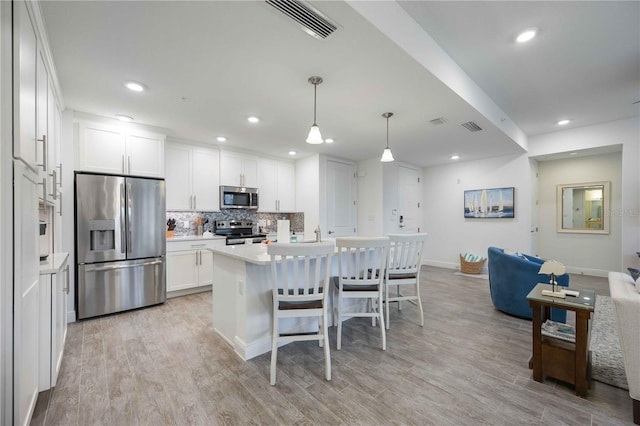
[
  {"x": 438, "y": 121},
  {"x": 471, "y": 126},
  {"x": 312, "y": 21}
]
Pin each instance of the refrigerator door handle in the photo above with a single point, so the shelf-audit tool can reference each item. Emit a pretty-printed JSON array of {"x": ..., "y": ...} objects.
[
  {"x": 112, "y": 268},
  {"x": 123, "y": 227},
  {"x": 129, "y": 226}
]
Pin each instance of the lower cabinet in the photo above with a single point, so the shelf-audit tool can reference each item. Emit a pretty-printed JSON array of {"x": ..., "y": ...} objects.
[
  {"x": 190, "y": 264},
  {"x": 54, "y": 287}
]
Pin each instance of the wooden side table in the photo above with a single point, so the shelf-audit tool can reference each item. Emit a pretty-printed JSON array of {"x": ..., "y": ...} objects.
[{"x": 557, "y": 358}]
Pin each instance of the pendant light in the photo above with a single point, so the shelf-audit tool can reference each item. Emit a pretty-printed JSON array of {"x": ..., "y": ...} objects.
[
  {"x": 386, "y": 154},
  {"x": 314, "y": 134}
]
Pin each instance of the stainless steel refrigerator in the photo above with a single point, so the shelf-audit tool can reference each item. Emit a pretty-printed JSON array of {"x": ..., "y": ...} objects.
[{"x": 120, "y": 243}]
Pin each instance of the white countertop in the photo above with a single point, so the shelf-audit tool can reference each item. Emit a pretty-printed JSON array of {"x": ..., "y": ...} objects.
[
  {"x": 195, "y": 238},
  {"x": 252, "y": 253},
  {"x": 53, "y": 263}
]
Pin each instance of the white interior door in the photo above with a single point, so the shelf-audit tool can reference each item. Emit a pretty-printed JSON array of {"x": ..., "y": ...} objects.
[
  {"x": 409, "y": 200},
  {"x": 341, "y": 199}
]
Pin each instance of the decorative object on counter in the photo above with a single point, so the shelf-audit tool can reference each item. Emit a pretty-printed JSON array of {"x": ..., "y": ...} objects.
[
  {"x": 200, "y": 222},
  {"x": 387, "y": 156},
  {"x": 171, "y": 226},
  {"x": 283, "y": 231},
  {"x": 314, "y": 137}
]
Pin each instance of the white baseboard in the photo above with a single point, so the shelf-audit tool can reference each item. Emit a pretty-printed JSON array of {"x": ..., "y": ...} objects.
[
  {"x": 71, "y": 316},
  {"x": 186, "y": 291},
  {"x": 256, "y": 348},
  {"x": 441, "y": 264},
  {"x": 587, "y": 271}
]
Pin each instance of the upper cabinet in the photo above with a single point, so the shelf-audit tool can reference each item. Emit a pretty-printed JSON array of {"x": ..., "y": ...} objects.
[
  {"x": 25, "y": 50},
  {"x": 192, "y": 178},
  {"x": 237, "y": 169},
  {"x": 109, "y": 149},
  {"x": 277, "y": 186}
]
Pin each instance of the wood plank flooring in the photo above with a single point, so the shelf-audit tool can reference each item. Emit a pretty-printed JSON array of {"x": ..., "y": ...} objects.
[{"x": 468, "y": 365}]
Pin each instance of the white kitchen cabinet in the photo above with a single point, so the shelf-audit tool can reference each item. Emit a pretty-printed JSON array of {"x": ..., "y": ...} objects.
[
  {"x": 238, "y": 169},
  {"x": 190, "y": 263},
  {"x": 26, "y": 300},
  {"x": 110, "y": 149},
  {"x": 192, "y": 178},
  {"x": 277, "y": 186},
  {"x": 54, "y": 287},
  {"x": 25, "y": 52}
]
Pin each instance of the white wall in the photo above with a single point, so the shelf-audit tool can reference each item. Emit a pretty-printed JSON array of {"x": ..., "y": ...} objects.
[
  {"x": 6, "y": 218},
  {"x": 390, "y": 198},
  {"x": 591, "y": 254},
  {"x": 621, "y": 132},
  {"x": 450, "y": 233},
  {"x": 308, "y": 193},
  {"x": 370, "y": 189}
]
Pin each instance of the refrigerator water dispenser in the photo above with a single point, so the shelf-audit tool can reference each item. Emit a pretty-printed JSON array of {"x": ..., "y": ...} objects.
[{"x": 102, "y": 235}]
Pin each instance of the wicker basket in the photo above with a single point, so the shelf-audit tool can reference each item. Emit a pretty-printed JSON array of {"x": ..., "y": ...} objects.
[{"x": 471, "y": 267}]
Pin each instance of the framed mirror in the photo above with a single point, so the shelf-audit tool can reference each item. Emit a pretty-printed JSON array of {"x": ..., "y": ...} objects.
[{"x": 583, "y": 207}]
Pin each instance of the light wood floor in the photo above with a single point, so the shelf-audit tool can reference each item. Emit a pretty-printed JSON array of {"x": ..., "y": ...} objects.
[{"x": 466, "y": 366}]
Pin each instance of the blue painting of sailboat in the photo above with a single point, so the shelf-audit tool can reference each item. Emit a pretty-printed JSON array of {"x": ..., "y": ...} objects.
[{"x": 489, "y": 203}]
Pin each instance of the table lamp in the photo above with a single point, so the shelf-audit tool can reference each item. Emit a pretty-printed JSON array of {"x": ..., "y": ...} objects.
[{"x": 554, "y": 269}]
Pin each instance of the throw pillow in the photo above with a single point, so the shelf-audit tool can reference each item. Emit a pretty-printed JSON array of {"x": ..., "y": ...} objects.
[{"x": 635, "y": 273}]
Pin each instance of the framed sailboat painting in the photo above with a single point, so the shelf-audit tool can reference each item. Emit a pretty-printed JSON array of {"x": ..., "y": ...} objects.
[{"x": 493, "y": 203}]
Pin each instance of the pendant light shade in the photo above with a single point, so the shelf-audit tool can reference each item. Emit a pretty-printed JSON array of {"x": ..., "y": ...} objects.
[
  {"x": 387, "y": 156},
  {"x": 314, "y": 137}
]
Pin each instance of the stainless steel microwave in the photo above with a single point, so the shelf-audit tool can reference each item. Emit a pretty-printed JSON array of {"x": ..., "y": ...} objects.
[{"x": 238, "y": 197}]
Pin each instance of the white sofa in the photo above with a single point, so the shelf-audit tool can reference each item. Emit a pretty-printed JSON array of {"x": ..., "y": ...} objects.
[{"x": 626, "y": 301}]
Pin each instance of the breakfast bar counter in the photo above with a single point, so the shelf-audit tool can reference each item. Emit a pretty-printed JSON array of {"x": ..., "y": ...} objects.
[{"x": 242, "y": 299}]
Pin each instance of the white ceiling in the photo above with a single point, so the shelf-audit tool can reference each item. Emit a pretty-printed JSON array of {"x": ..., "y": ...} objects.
[{"x": 233, "y": 59}]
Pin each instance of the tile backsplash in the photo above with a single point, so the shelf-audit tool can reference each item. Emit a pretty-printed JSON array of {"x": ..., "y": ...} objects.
[{"x": 270, "y": 219}]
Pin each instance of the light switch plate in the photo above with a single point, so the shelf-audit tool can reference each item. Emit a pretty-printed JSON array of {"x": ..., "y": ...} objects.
[{"x": 186, "y": 223}]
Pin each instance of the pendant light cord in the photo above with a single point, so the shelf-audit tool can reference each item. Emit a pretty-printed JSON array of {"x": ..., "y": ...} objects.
[
  {"x": 387, "y": 132},
  {"x": 315, "y": 87}
]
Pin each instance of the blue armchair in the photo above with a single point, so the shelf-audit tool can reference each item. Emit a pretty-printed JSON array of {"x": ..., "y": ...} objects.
[{"x": 512, "y": 277}]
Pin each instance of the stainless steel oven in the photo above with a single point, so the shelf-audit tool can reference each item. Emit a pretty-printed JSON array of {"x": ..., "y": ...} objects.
[{"x": 238, "y": 197}]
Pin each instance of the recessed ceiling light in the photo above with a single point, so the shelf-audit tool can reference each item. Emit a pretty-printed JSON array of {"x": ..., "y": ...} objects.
[
  {"x": 292, "y": 153},
  {"x": 135, "y": 86},
  {"x": 122, "y": 117},
  {"x": 329, "y": 140},
  {"x": 527, "y": 35},
  {"x": 563, "y": 122},
  {"x": 455, "y": 157},
  {"x": 572, "y": 153},
  {"x": 253, "y": 119},
  {"x": 221, "y": 139}
]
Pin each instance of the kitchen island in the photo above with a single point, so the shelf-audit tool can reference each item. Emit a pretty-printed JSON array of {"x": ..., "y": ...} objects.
[{"x": 242, "y": 299}]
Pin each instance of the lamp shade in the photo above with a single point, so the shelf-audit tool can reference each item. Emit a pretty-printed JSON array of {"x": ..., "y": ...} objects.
[
  {"x": 314, "y": 137},
  {"x": 552, "y": 267},
  {"x": 387, "y": 156}
]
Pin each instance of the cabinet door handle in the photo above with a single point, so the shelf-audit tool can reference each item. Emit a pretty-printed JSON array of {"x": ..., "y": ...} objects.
[
  {"x": 54, "y": 175},
  {"x": 195, "y": 203},
  {"x": 66, "y": 284},
  {"x": 44, "y": 191},
  {"x": 123, "y": 171},
  {"x": 60, "y": 204},
  {"x": 129, "y": 164},
  {"x": 44, "y": 152},
  {"x": 60, "y": 180}
]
